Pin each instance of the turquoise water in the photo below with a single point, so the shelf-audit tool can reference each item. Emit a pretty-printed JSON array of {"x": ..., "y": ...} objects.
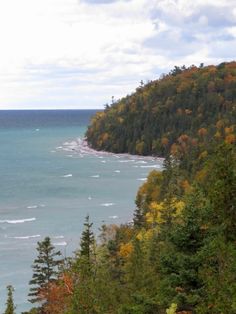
[{"x": 49, "y": 183}]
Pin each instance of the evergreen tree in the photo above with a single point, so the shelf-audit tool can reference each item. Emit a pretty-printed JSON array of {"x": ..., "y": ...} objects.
[
  {"x": 87, "y": 240},
  {"x": 45, "y": 269},
  {"x": 83, "y": 300},
  {"x": 10, "y": 309}
]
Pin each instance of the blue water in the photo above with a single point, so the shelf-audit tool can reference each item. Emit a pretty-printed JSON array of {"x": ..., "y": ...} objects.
[{"x": 49, "y": 184}]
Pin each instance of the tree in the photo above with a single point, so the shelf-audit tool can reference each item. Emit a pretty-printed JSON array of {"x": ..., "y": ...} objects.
[
  {"x": 45, "y": 270},
  {"x": 83, "y": 300},
  {"x": 10, "y": 309},
  {"x": 87, "y": 240}
]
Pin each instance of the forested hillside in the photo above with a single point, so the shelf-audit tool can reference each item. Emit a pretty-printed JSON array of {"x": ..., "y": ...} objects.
[
  {"x": 179, "y": 254},
  {"x": 182, "y": 107}
]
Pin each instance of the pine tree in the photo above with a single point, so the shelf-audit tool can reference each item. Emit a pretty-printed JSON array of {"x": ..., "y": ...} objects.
[
  {"x": 87, "y": 240},
  {"x": 83, "y": 300},
  {"x": 10, "y": 309},
  {"x": 45, "y": 269}
]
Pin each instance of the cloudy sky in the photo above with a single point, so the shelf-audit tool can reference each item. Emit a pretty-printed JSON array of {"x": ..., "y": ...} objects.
[{"x": 80, "y": 53}]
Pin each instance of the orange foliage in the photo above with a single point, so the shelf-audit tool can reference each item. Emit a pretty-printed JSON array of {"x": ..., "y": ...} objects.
[
  {"x": 57, "y": 295},
  {"x": 164, "y": 141},
  {"x": 230, "y": 139},
  {"x": 174, "y": 149},
  {"x": 186, "y": 186},
  {"x": 229, "y": 130},
  {"x": 202, "y": 132},
  {"x": 183, "y": 138}
]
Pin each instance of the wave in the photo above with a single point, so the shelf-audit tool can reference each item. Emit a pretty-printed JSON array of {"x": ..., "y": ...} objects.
[
  {"x": 63, "y": 243},
  {"x": 108, "y": 204},
  {"x": 113, "y": 217},
  {"x": 25, "y": 237},
  {"x": 67, "y": 175},
  {"x": 81, "y": 146},
  {"x": 18, "y": 221},
  {"x": 151, "y": 166},
  {"x": 58, "y": 237},
  {"x": 35, "y": 206}
]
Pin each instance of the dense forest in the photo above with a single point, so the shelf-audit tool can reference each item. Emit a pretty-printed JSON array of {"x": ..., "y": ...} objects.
[
  {"x": 179, "y": 254},
  {"x": 182, "y": 107}
]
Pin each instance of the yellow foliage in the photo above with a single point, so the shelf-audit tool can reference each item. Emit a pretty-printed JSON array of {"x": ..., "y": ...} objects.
[
  {"x": 145, "y": 234},
  {"x": 172, "y": 309},
  {"x": 156, "y": 210},
  {"x": 201, "y": 175},
  {"x": 104, "y": 137},
  {"x": 203, "y": 155},
  {"x": 125, "y": 249},
  {"x": 217, "y": 135}
]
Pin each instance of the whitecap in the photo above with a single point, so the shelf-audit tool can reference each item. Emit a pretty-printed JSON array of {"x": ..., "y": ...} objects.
[
  {"x": 142, "y": 179},
  {"x": 26, "y": 237},
  {"x": 32, "y": 206},
  {"x": 63, "y": 243},
  {"x": 58, "y": 237},
  {"x": 117, "y": 171},
  {"x": 36, "y": 130},
  {"x": 113, "y": 217},
  {"x": 108, "y": 204},
  {"x": 67, "y": 175},
  {"x": 151, "y": 166},
  {"x": 129, "y": 160},
  {"x": 103, "y": 161},
  {"x": 59, "y": 147},
  {"x": 95, "y": 176},
  {"x": 89, "y": 198},
  {"x": 141, "y": 162},
  {"x": 18, "y": 221}
]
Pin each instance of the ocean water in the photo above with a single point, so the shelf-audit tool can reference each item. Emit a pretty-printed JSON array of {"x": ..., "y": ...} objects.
[{"x": 49, "y": 182}]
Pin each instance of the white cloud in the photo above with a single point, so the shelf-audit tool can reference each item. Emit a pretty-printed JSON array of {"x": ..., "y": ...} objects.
[{"x": 70, "y": 53}]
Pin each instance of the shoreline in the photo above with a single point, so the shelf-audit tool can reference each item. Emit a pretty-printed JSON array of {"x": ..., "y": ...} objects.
[{"x": 80, "y": 146}]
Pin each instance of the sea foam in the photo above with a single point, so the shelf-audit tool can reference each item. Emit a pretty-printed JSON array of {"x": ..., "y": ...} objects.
[
  {"x": 67, "y": 175},
  {"x": 108, "y": 204},
  {"x": 18, "y": 221},
  {"x": 26, "y": 237}
]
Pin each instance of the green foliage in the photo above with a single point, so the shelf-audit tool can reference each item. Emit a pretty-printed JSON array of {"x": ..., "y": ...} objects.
[
  {"x": 181, "y": 249},
  {"x": 174, "y": 114},
  {"x": 10, "y": 308},
  {"x": 45, "y": 269}
]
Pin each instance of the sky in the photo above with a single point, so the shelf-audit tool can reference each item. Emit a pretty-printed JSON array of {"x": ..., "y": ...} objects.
[{"x": 78, "y": 54}]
